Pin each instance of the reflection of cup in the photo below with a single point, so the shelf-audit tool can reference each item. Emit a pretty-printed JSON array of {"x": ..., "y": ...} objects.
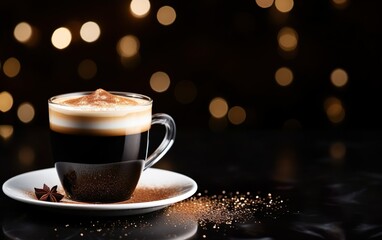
[
  {"x": 100, "y": 140},
  {"x": 29, "y": 225}
]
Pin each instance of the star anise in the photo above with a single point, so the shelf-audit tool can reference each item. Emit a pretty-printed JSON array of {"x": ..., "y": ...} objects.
[{"x": 47, "y": 194}]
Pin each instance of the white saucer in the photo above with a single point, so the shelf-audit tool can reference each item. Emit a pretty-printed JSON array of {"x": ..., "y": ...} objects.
[{"x": 21, "y": 188}]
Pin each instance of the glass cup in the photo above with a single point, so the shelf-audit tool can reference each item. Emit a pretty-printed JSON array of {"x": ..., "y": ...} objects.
[{"x": 100, "y": 152}]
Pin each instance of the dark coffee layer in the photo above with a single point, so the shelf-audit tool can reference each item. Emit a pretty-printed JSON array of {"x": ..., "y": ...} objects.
[
  {"x": 98, "y": 149},
  {"x": 100, "y": 182}
]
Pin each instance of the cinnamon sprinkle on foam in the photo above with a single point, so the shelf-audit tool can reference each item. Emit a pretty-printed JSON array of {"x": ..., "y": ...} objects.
[{"x": 100, "y": 98}]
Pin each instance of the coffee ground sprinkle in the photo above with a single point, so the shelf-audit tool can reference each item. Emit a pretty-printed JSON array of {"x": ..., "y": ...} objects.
[
  {"x": 217, "y": 209},
  {"x": 227, "y": 208},
  {"x": 218, "y": 212}
]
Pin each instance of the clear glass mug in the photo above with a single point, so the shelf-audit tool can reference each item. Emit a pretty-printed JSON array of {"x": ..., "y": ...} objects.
[{"x": 100, "y": 154}]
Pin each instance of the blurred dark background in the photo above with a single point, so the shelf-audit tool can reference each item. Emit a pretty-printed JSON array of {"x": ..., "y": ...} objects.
[
  {"x": 215, "y": 66},
  {"x": 274, "y": 64},
  {"x": 266, "y": 94}
]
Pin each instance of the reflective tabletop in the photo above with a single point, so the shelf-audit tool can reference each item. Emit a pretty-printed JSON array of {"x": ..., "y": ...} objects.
[{"x": 251, "y": 185}]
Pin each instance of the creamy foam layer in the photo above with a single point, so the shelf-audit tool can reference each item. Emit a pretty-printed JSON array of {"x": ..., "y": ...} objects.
[{"x": 100, "y": 113}]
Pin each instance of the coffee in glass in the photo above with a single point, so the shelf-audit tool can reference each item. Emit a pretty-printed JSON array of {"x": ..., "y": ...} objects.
[{"x": 100, "y": 142}]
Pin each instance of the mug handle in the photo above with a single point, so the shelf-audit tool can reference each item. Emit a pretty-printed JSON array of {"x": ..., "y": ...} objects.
[{"x": 168, "y": 140}]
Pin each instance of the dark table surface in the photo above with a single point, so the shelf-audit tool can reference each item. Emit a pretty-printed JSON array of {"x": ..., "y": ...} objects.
[{"x": 263, "y": 184}]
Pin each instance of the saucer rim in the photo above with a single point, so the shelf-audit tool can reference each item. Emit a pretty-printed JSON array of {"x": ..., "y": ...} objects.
[{"x": 189, "y": 187}]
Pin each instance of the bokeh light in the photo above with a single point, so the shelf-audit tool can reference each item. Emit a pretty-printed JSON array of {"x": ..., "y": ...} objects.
[
  {"x": 284, "y": 6},
  {"x": 128, "y": 46},
  {"x": 26, "y": 155},
  {"x": 11, "y": 67},
  {"x": 340, "y": 4},
  {"x": 25, "y": 112},
  {"x": 23, "y": 32},
  {"x": 284, "y": 76},
  {"x": 166, "y": 15},
  {"x": 159, "y": 81},
  {"x": 279, "y": 31},
  {"x": 237, "y": 115},
  {"x": 287, "y": 39},
  {"x": 339, "y": 77},
  {"x": 218, "y": 107},
  {"x": 61, "y": 38},
  {"x": 6, "y": 131},
  {"x": 264, "y": 3},
  {"x": 140, "y": 8},
  {"x": 334, "y": 109},
  {"x": 337, "y": 150},
  {"x": 87, "y": 69},
  {"x": 185, "y": 91},
  {"x": 90, "y": 31},
  {"x": 6, "y": 101},
  {"x": 285, "y": 166}
]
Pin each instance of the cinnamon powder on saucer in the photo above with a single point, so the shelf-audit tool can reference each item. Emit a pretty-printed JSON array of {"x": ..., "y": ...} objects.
[{"x": 141, "y": 194}]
